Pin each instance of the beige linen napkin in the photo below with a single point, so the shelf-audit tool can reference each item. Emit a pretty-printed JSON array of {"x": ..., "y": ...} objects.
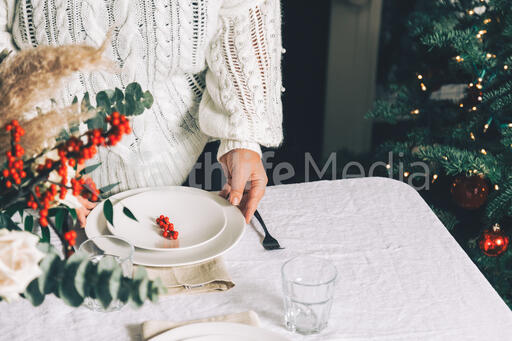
[
  {"x": 153, "y": 328},
  {"x": 194, "y": 279}
]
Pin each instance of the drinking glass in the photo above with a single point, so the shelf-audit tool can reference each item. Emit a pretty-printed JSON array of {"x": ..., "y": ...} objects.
[
  {"x": 114, "y": 247},
  {"x": 308, "y": 286}
]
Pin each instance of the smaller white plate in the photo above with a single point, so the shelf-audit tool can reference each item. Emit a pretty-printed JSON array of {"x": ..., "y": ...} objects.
[
  {"x": 218, "y": 331},
  {"x": 197, "y": 218}
]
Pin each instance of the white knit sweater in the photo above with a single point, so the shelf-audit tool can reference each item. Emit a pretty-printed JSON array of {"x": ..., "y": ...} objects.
[{"x": 213, "y": 67}]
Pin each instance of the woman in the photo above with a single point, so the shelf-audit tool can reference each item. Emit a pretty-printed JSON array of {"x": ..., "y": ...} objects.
[{"x": 213, "y": 67}]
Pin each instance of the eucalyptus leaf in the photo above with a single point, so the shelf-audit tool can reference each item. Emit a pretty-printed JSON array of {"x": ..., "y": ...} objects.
[
  {"x": 33, "y": 295},
  {"x": 147, "y": 100},
  {"x": 139, "y": 291},
  {"x": 86, "y": 101},
  {"x": 67, "y": 291},
  {"x": 109, "y": 280},
  {"x": 51, "y": 266},
  {"x": 133, "y": 90},
  {"x": 103, "y": 101},
  {"x": 108, "y": 211},
  {"x": 129, "y": 213},
  {"x": 85, "y": 278}
]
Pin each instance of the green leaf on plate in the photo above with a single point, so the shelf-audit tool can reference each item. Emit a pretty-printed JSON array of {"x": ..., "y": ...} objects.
[
  {"x": 129, "y": 214},
  {"x": 89, "y": 169},
  {"x": 108, "y": 211}
]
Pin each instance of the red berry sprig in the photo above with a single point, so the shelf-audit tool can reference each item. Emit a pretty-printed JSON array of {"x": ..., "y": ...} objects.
[
  {"x": 14, "y": 171},
  {"x": 167, "y": 227},
  {"x": 70, "y": 237},
  {"x": 120, "y": 126},
  {"x": 75, "y": 151}
]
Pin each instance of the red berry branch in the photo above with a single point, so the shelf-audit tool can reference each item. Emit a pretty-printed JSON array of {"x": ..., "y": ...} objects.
[
  {"x": 39, "y": 192},
  {"x": 167, "y": 227}
]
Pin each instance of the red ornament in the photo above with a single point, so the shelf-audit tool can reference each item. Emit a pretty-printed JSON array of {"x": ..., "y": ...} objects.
[
  {"x": 493, "y": 241},
  {"x": 470, "y": 192}
]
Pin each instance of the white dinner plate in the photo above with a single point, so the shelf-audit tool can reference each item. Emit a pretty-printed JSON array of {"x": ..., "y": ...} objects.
[
  {"x": 233, "y": 231},
  {"x": 218, "y": 331},
  {"x": 195, "y": 215}
]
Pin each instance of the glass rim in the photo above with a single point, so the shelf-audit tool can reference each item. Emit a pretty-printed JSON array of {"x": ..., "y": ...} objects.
[
  {"x": 110, "y": 236},
  {"x": 309, "y": 284}
]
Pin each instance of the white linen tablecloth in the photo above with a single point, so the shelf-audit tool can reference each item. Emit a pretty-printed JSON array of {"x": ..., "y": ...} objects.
[{"x": 401, "y": 274}]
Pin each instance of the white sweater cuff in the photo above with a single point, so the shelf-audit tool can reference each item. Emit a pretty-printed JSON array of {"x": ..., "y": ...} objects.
[{"x": 229, "y": 145}]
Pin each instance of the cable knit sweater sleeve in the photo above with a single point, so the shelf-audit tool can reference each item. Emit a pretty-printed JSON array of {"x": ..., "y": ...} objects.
[
  {"x": 241, "y": 105},
  {"x": 6, "y": 13}
]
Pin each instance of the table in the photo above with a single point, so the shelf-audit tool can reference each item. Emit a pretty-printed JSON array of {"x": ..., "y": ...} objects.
[{"x": 401, "y": 274}]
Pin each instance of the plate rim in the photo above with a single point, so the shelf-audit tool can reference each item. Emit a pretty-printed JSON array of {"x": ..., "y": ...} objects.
[
  {"x": 112, "y": 228},
  {"x": 241, "y": 329},
  {"x": 235, "y": 219}
]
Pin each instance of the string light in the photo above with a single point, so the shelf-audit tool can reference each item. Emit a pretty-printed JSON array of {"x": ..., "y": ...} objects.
[
  {"x": 489, "y": 56},
  {"x": 415, "y": 111},
  {"x": 496, "y": 187},
  {"x": 480, "y": 99},
  {"x": 471, "y": 12},
  {"x": 486, "y": 21},
  {"x": 445, "y": 157},
  {"x": 406, "y": 174},
  {"x": 479, "y": 86},
  {"x": 472, "y": 136},
  {"x": 486, "y": 126},
  {"x": 434, "y": 178},
  {"x": 474, "y": 109},
  {"x": 471, "y": 85},
  {"x": 509, "y": 125},
  {"x": 505, "y": 67},
  {"x": 420, "y": 77},
  {"x": 461, "y": 105},
  {"x": 483, "y": 151},
  {"x": 459, "y": 59},
  {"x": 388, "y": 166},
  {"x": 423, "y": 87}
]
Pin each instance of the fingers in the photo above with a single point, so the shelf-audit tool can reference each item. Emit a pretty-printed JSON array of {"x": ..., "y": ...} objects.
[
  {"x": 82, "y": 214},
  {"x": 239, "y": 179},
  {"x": 86, "y": 203},
  {"x": 84, "y": 211},
  {"x": 225, "y": 191},
  {"x": 254, "y": 196}
]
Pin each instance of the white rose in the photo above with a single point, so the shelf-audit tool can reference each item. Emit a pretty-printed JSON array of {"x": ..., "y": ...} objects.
[{"x": 19, "y": 262}]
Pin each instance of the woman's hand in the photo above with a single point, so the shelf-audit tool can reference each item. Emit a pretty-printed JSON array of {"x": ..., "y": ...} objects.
[
  {"x": 84, "y": 210},
  {"x": 243, "y": 168},
  {"x": 87, "y": 205}
]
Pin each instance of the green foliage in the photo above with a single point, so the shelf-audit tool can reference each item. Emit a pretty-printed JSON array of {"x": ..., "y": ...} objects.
[
  {"x": 77, "y": 278},
  {"x": 89, "y": 169},
  {"x": 108, "y": 211},
  {"x": 132, "y": 102},
  {"x": 448, "y": 219},
  {"x": 450, "y": 43},
  {"x": 129, "y": 213}
]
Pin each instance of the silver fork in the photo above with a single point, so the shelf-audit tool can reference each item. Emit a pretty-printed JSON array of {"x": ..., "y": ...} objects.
[{"x": 269, "y": 242}]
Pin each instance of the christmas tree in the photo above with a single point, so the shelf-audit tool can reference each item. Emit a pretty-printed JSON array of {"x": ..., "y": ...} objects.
[{"x": 456, "y": 104}]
